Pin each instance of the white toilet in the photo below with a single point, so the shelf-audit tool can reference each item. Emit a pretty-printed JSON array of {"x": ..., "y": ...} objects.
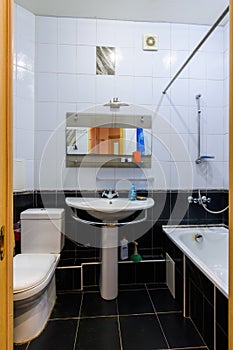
[{"x": 34, "y": 270}]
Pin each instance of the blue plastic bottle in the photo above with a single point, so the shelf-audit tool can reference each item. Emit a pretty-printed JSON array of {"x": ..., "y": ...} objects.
[
  {"x": 140, "y": 141},
  {"x": 132, "y": 193}
]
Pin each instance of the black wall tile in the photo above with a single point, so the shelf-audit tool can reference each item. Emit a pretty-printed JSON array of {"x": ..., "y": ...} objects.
[{"x": 22, "y": 201}]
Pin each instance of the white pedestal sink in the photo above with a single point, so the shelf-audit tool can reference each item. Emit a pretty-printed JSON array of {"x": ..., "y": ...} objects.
[{"x": 109, "y": 211}]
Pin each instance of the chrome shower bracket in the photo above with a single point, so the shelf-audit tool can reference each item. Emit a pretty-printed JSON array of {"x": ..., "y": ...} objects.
[{"x": 199, "y": 156}]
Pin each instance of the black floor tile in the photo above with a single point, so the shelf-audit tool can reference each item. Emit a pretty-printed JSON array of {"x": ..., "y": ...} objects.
[
  {"x": 94, "y": 305},
  {"x": 67, "y": 305},
  {"x": 156, "y": 285},
  {"x": 98, "y": 334},
  {"x": 163, "y": 300},
  {"x": 196, "y": 348},
  {"x": 132, "y": 287},
  {"x": 134, "y": 302},
  {"x": 59, "y": 335},
  {"x": 20, "y": 347},
  {"x": 141, "y": 332},
  {"x": 179, "y": 331}
]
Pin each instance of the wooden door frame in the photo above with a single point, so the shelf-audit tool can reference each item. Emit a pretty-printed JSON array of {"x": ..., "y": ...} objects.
[
  {"x": 230, "y": 307},
  {"x": 6, "y": 200},
  {"x": 6, "y": 38}
]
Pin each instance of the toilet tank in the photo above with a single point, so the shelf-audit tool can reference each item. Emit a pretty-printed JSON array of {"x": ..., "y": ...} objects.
[{"x": 42, "y": 230}]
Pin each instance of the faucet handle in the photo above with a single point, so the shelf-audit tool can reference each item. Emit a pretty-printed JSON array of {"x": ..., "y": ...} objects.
[
  {"x": 115, "y": 194},
  {"x": 104, "y": 194}
]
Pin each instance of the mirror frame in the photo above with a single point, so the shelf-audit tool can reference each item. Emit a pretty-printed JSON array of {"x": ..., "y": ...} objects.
[{"x": 108, "y": 120}]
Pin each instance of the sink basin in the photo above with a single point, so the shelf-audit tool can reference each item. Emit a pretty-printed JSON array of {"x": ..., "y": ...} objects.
[{"x": 109, "y": 209}]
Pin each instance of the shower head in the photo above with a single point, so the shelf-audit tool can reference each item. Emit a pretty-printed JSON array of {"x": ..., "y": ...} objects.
[{"x": 198, "y": 96}]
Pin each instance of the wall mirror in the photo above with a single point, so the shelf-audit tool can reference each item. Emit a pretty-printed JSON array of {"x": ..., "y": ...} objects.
[{"x": 108, "y": 140}]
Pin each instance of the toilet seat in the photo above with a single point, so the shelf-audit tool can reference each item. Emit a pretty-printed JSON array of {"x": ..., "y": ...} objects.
[{"x": 32, "y": 273}]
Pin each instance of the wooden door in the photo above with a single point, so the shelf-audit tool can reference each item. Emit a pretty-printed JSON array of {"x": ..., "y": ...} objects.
[{"x": 6, "y": 255}]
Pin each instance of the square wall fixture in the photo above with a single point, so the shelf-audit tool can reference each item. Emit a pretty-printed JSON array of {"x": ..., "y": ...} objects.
[
  {"x": 150, "y": 42},
  {"x": 105, "y": 60}
]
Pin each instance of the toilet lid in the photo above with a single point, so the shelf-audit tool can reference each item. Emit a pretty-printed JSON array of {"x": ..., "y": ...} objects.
[{"x": 31, "y": 270}]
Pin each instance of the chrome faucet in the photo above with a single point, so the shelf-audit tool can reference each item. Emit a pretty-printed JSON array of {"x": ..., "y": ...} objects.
[{"x": 110, "y": 194}]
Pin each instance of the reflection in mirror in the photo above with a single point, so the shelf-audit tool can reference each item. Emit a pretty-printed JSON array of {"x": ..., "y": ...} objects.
[
  {"x": 115, "y": 134},
  {"x": 112, "y": 141}
]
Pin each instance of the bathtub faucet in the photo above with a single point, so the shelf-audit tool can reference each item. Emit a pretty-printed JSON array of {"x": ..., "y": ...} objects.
[{"x": 199, "y": 200}]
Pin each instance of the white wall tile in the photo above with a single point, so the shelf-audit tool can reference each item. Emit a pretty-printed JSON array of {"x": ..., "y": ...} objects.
[
  {"x": 225, "y": 167},
  {"x": 62, "y": 109},
  {"x": 215, "y": 175},
  {"x": 27, "y": 144},
  {"x": 67, "y": 59},
  {"x": 125, "y": 89},
  {"x": 125, "y": 63},
  {"x": 106, "y": 33},
  {"x": 180, "y": 120},
  {"x": 161, "y": 63},
  {"x": 46, "y": 116},
  {"x": 86, "y": 60},
  {"x": 25, "y": 54},
  {"x": 180, "y": 92},
  {"x": 214, "y": 66},
  {"x": 196, "y": 34},
  {"x": 105, "y": 89},
  {"x": 143, "y": 90},
  {"x": 67, "y": 31},
  {"x": 215, "y": 145},
  {"x": 25, "y": 83},
  {"x": 47, "y": 86},
  {"x": 181, "y": 175},
  {"x": 214, "y": 93},
  {"x": 44, "y": 179},
  {"x": 179, "y": 37},
  {"x": 162, "y": 174},
  {"x": 46, "y": 30},
  {"x": 25, "y": 24},
  {"x": 125, "y": 34},
  {"x": 67, "y": 88},
  {"x": 29, "y": 183},
  {"x": 197, "y": 66},
  {"x": 215, "y": 120},
  {"x": 161, "y": 148},
  {"x": 25, "y": 114},
  {"x": 85, "y": 88},
  {"x": 143, "y": 63},
  {"x": 177, "y": 59},
  {"x": 86, "y": 31},
  {"x": 47, "y": 58},
  {"x": 215, "y": 42}
]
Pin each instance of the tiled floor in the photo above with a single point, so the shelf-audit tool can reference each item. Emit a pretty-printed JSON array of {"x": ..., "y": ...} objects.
[{"x": 143, "y": 317}]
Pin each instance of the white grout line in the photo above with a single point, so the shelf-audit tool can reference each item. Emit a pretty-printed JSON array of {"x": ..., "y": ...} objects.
[
  {"x": 160, "y": 325},
  {"x": 78, "y": 323}
]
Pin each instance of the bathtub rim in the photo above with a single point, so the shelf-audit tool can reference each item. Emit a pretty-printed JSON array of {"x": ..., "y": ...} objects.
[{"x": 223, "y": 288}]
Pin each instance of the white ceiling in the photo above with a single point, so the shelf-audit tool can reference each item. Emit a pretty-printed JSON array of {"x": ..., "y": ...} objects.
[{"x": 179, "y": 11}]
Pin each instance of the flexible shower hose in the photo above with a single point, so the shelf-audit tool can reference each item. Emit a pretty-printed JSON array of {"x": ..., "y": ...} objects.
[{"x": 208, "y": 210}]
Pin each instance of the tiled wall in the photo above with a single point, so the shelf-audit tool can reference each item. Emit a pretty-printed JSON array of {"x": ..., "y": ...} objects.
[
  {"x": 24, "y": 91},
  {"x": 64, "y": 74},
  {"x": 82, "y": 240}
]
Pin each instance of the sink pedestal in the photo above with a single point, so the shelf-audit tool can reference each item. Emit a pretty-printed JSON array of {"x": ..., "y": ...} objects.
[
  {"x": 109, "y": 211},
  {"x": 109, "y": 268}
]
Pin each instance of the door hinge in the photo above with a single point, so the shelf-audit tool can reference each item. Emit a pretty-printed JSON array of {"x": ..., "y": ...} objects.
[{"x": 2, "y": 232}]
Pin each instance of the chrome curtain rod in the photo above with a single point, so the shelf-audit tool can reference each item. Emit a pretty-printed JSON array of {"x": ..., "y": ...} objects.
[{"x": 197, "y": 48}]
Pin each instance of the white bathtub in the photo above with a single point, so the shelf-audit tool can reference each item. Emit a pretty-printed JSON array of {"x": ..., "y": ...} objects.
[{"x": 210, "y": 254}]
